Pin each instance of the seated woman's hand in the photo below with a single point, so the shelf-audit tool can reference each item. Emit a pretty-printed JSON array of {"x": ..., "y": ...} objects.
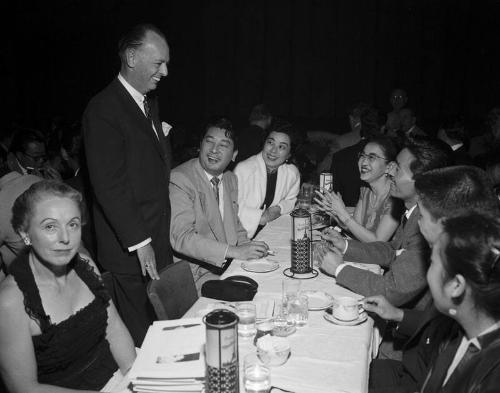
[{"x": 383, "y": 308}]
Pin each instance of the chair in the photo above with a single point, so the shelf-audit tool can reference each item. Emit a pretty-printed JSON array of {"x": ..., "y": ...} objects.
[{"x": 174, "y": 293}]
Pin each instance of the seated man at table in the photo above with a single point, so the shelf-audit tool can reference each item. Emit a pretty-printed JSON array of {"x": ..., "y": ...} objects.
[
  {"x": 205, "y": 229},
  {"x": 443, "y": 193},
  {"x": 404, "y": 258}
]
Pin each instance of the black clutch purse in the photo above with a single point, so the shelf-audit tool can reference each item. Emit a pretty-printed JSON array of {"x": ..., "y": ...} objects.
[{"x": 231, "y": 289}]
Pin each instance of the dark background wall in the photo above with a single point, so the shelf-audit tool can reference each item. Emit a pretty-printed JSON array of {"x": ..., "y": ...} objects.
[{"x": 309, "y": 60}]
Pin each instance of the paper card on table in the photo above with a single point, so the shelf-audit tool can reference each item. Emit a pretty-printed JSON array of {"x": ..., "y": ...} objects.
[{"x": 172, "y": 353}]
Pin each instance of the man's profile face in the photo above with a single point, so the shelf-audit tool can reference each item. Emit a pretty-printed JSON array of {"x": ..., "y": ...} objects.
[
  {"x": 403, "y": 185},
  {"x": 150, "y": 62},
  {"x": 430, "y": 227},
  {"x": 216, "y": 151}
]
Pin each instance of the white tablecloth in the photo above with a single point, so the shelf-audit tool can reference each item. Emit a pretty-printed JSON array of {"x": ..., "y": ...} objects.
[{"x": 325, "y": 357}]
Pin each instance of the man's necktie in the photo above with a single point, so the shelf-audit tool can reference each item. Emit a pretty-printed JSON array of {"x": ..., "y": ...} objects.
[
  {"x": 404, "y": 220},
  {"x": 147, "y": 109},
  {"x": 215, "y": 185}
]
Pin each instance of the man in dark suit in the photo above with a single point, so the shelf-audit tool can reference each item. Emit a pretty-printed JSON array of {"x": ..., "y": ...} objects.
[
  {"x": 128, "y": 158},
  {"x": 443, "y": 193},
  {"x": 405, "y": 257}
]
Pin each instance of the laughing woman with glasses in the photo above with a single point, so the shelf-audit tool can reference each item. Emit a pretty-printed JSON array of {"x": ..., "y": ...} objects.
[{"x": 375, "y": 216}]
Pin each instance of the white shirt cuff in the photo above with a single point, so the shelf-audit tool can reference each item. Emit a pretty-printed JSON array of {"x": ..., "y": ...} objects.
[
  {"x": 339, "y": 269},
  {"x": 141, "y": 244},
  {"x": 345, "y": 248}
]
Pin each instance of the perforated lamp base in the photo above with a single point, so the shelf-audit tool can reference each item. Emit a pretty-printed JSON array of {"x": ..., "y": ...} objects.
[{"x": 300, "y": 276}]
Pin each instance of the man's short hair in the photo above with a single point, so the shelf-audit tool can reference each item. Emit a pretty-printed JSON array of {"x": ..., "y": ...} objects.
[
  {"x": 224, "y": 124},
  {"x": 135, "y": 37},
  {"x": 429, "y": 154},
  {"x": 453, "y": 191},
  {"x": 258, "y": 113}
]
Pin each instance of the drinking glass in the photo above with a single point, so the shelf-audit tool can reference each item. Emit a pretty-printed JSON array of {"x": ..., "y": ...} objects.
[
  {"x": 246, "y": 312},
  {"x": 264, "y": 327},
  {"x": 298, "y": 309},
  {"x": 256, "y": 375},
  {"x": 290, "y": 287}
]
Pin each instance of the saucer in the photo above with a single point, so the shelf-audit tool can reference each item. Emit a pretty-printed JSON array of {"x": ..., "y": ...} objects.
[
  {"x": 260, "y": 266},
  {"x": 362, "y": 318},
  {"x": 318, "y": 300}
]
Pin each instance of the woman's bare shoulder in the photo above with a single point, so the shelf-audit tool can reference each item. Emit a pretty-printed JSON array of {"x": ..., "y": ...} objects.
[{"x": 11, "y": 297}]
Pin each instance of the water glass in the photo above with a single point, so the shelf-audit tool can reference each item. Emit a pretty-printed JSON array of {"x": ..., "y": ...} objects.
[
  {"x": 264, "y": 327},
  {"x": 290, "y": 288},
  {"x": 256, "y": 375},
  {"x": 246, "y": 312},
  {"x": 298, "y": 310}
]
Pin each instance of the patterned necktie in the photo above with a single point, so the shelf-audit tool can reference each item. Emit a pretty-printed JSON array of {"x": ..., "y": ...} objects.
[
  {"x": 215, "y": 185},
  {"x": 147, "y": 109}
]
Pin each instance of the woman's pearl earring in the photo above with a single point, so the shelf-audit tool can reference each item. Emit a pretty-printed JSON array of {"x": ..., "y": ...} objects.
[
  {"x": 27, "y": 241},
  {"x": 452, "y": 311}
]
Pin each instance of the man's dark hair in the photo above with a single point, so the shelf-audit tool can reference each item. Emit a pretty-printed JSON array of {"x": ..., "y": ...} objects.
[
  {"x": 259, "y": 112},
  {"x": 456, "y": 190},
  {"x": 135, "y": 37},
  {"x": 224, "y": 124},
  {"x": 23, "y": 138},
  {"x": 429, "y": 154}
]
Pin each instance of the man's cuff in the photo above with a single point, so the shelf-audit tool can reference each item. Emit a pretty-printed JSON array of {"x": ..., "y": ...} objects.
[
  {"x": 339, "y": 269},
  {"x": 345, "y": 248},
  {"x": 141, "y": 244},
  {"x": 225, "y": 252}
]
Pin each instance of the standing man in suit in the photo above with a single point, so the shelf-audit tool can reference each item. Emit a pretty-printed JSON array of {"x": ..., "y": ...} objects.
[
  {"x": 405, "y": 257},
  {"x": 128, "y": 158},
  {"x": 205, "y": 228}
]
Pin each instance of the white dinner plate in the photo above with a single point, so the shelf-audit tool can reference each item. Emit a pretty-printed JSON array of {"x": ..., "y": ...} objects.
[
  {"x": 260, "y": 266},
  {"x": 318, "y": 300},
  {"x": 362, "y": 318}
]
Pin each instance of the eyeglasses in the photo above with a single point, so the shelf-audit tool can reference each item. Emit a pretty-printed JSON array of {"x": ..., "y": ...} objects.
[{"x": 370, "y": 157}]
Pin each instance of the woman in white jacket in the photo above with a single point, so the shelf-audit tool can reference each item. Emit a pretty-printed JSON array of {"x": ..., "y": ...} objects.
[{"x": 267, "y": 184}]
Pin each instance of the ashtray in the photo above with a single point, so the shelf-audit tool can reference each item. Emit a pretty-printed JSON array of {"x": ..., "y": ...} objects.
[{"x": 274, "y": 351}]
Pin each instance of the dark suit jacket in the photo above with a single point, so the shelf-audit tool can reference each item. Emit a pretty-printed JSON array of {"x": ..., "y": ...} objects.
[
  {"x": 129, "y": 170},
  {"x": 346, "y": 173},
  {"x": 480, "y": 374},
  {"x": 405, "y": 259}
]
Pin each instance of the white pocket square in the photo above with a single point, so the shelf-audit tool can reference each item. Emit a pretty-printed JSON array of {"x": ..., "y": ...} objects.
[
  {"x": 400, "y": 251},
  {"x": 166, "y": 128}
]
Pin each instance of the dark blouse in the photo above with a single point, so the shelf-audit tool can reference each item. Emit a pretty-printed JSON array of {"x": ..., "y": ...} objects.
[{"x": 73, "y": 353}]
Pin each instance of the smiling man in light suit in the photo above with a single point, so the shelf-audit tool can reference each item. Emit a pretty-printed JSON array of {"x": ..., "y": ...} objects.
[{"x": 205, "y": 228}]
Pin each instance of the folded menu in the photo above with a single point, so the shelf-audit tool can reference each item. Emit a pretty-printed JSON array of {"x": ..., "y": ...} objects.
[{"x": 171, "y": 358}]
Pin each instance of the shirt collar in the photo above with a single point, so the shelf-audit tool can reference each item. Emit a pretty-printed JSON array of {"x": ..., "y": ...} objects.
[
  {"x": 410, "y": 211},
  {"x": 136, "y": 95},
  {"x": 456, "y": 146},
  {"x": 474, "y": 340},
  {"x": 209, "y": 176}
]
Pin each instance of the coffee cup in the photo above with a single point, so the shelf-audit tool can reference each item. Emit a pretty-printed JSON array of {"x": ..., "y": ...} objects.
[{"x": 346, "y": 308}]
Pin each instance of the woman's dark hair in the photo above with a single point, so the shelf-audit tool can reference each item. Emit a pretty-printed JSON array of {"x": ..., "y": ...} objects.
[
  {"x": 285, "y": 128},
  {"x": 25, "y": 204},
  {"x": 387, "y": 144},
  {"x": 473, "y": 251}
]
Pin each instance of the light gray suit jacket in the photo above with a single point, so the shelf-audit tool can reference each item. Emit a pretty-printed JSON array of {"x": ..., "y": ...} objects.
[
  {"x": 405, "y": 259},
  {"x": 197, "y": 231}
]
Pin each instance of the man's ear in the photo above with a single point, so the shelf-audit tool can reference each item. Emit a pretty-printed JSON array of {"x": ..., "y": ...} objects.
[
  {"x": 131, "y": 57},
  {"x": 455, "y": 288},
  {"x": 235, "y": 153}
]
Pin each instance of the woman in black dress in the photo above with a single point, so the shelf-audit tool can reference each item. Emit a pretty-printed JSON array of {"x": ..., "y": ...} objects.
[{"x": 59, "y": 330}]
